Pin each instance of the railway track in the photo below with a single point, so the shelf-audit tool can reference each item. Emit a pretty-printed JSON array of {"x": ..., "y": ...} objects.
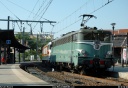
[{"x": 71, "y": 79}]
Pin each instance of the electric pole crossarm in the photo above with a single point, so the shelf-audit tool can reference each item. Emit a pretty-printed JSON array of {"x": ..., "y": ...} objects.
[{"x": 28, "y": 21}]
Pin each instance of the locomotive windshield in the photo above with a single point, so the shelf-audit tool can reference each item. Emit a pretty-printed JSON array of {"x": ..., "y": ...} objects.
[{"x": 101, "y": 36}]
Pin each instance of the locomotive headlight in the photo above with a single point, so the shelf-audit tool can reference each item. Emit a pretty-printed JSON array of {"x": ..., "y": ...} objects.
[
  {"x": 83, "y": 51},
  {"x": 109, "y": 54}
]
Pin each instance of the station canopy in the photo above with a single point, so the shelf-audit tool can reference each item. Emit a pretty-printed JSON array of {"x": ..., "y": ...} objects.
[{"x": 7, "y": 37}]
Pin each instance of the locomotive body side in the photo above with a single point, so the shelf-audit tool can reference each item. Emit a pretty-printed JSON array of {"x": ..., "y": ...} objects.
[{"x": 61, "y": 50}]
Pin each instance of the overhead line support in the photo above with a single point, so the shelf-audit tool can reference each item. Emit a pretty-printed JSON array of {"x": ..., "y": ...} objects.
[{"x": 28, "y": 21}]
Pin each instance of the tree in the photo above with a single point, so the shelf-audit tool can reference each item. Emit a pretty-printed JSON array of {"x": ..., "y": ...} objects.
[{"x": 32, "y": 42}]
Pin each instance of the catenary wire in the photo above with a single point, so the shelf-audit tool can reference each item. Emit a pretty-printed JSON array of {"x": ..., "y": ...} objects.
[
  {"x": 81, "y": 18},
  {"x": 33, "y": 8},
  {"x": 44, "y": 12},
  {"x": 9, "y": 9}
]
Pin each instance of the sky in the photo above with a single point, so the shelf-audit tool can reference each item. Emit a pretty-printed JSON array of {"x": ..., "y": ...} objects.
[{"x": 66, "y": 14}]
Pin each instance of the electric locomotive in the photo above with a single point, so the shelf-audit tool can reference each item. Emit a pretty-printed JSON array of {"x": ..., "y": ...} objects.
[{"x": 82, "y": 50}]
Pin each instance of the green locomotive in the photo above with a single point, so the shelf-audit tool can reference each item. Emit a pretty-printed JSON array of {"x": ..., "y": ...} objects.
[{"x": 87, "y": 48}]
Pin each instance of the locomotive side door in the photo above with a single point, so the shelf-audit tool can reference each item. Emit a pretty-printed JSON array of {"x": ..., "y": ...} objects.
[{"x": 73, "y": 49}]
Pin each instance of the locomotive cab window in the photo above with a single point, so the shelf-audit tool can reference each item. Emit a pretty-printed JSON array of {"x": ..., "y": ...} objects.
[
  {"x": 101, "y": 36},
  {"x": 88, "y": 36},
  {"x": 107, "y": 37}
]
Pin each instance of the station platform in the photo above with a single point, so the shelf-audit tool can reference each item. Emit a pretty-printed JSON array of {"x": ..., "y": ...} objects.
[
  {"x": 13, "y": 75},
  {"x": 119, "y": 71}
]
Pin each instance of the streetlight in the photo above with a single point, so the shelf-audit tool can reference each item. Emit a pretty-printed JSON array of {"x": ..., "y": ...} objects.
[{"x": 113, "y": 26}]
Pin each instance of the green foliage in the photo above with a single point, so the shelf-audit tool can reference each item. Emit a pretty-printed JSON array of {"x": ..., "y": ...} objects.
[
  {"x": 46, "y": 42},
  {"x": 32, "y": 43},
  {"x": 18, "y": 36}
]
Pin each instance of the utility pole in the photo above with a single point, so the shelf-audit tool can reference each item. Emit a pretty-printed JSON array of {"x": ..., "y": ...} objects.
[
  {"x": 37, "y": 46},
  {"x": 8, "y": 22},
  {"x": 23, "y": 44},
  {"x": 8, "y": 53}
]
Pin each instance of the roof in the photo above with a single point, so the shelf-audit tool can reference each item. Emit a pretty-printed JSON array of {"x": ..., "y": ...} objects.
[
  {"x": 120, "y": 37},
  {"x": 120, "y": 31},
  {"x": 120, "y": 41},
  {"x": 9, "y": 35}
]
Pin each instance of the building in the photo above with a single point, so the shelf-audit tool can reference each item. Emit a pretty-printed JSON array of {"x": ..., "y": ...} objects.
[{"x": 120, "y": 43}]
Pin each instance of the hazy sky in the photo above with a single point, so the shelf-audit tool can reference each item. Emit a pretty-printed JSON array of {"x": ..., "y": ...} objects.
[{"x": 65, "y": 12}]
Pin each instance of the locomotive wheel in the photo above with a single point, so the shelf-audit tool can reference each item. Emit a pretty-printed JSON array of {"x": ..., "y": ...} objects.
[
  {"x": 72, "y": 71},
  {"x": 83, "y": 71},
  {"x": 60, "y": 68}
]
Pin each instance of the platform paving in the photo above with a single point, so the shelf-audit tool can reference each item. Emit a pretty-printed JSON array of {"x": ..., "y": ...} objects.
[
  {"x": 13, "y": 75},
  {"x": 119, "y": 71}
]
